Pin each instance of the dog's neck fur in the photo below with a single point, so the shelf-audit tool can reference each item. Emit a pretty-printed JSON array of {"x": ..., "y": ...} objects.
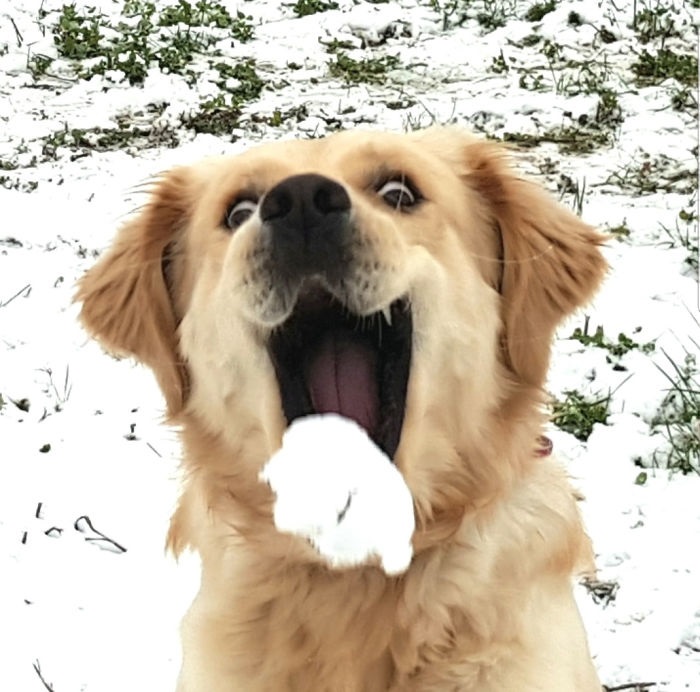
[{"x": 271, "y": 595}]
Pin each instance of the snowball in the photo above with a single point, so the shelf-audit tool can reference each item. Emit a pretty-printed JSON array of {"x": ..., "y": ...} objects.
[{"x": 337, "y": 489}]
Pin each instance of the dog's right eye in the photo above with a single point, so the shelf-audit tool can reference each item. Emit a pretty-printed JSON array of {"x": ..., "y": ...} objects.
[
  {"x": 399, "y": 194},
  {"x": 239, "y": 212}
]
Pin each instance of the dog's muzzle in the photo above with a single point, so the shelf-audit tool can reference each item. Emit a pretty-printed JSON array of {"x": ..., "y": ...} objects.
[{"x": 328, "y": 358}]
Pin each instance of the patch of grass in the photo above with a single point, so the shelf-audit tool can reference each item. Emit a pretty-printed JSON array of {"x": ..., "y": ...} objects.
[
  {"x": 242, "y": 27},
  {"x": 616, "y": 349},
  {"x": 496, "y": 13},
  {"x": 528, "y": 41},
  {"x": 652, "y": 69},
  {"x": 303, "y": 8},
  {"x": 367, "y": 70},
  {"x": 620, "y": 231},
  {"x": 648, "y": 175},
  {"x": 126, "y": 135},
  {"x": 171, "y": 39},
  {"x": 577, "y": 414},
  {"x": 221, "y": 115},
  {"x": 684, "y": 99},
  {"x": 678, "y": 418},
  {"x": 570, "y": 140},
  {"x": 59, "y": 391},
  {"x": 217, "y": 116},
  {"x": 574, "y": 19},
  {"x": 78, "y": 36},
  {"x": 279, "y": 117},
  {"x": 572, "y": 76},
  {"x": 335, "y": 45},
  {"x": 240, "y": 79},
  {"x": 532, "y": 81},
  {"x": 38, "y": 64},
  {"x": 655, "y": 23},
  {"x": 499, "y": 64},
  {"x": 11, "y": 183},
  {"x": 576, "y": 188},
  {"x": 685, "y": 234},
  {"x": 608, "y": 111},
  {"x": 537, "y": 11},
  {"x": 452, "y": 12},
  {"x": 200, "y": 14}
]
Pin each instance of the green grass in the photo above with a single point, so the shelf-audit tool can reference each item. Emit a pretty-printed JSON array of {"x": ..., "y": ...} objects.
[
  {"x": 249, "y": 85},
  {"x": 574, "y": 189},
  {"x": 279, "y": 117},
  {"x": 8, "y": 182},
  {"x": 684, "y": 99},
  {"x": 39, "y": 64},
  {"x": 125, "y": 135},
  {"x": 608, "y": 111},
  {"x": 539, "y": 10},
  {"x": 499, "y": 64},
  {"x": 618, "y": 348},
  {"x": 79, "y": 35},
  {"x": 171, "y": 38},
  {"x": 655, "y": 23},
  {"x": 496, "y": 13},
  {"x": 199, "y": 14},
  {"x": 678, "y": 418},
  {"x": 654, "y": 68},
  {"x": 217, "y": 116},
  {"x": 570, "y": 140},
  {"x": 577, "y": 414},
  {"x": 648, "y": 175},
  {"x": 303, "y": 8},
  {"x": 365, "y": 70},
  {"x": 619, "y": 231},
  {"x": 685, "y": 234},
  {"x": 221, "y": 115}
]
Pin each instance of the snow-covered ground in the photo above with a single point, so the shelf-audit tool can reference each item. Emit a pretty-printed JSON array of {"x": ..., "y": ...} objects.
[{"x": 88, "y": 600}]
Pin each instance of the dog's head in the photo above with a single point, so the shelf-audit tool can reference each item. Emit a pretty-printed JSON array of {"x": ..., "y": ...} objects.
[{"x": 410, "y": 282}]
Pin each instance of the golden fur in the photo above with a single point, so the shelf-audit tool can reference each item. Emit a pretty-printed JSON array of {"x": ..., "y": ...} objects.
[{"x": 490, "y": 265}]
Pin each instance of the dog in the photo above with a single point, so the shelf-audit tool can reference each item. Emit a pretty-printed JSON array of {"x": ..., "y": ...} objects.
[{"x": 411, "y": 283}]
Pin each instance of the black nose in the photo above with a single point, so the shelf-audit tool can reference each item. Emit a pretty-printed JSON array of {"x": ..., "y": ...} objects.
[{"x": 308, "y": 221}]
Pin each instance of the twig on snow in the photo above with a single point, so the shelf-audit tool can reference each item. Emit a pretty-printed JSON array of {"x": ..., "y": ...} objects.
[
  {"x": 18, "y": 33},
  {"x": 37, "y": 668},
  {"x": 16, "y": 295}
]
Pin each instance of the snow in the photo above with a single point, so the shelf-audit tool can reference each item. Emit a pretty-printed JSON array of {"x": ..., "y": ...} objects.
[
  {"x": 336, "y": 488},
  {"x": 81, "y": 433}
]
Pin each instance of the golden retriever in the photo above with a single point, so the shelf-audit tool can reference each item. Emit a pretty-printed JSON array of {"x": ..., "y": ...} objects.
[{"x": 411, "y": 282}]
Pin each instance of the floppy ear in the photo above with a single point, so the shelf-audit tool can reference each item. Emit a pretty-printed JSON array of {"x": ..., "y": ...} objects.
[
  {"x": 126, "y": 303},
  {"x": 552, "y": 262}
]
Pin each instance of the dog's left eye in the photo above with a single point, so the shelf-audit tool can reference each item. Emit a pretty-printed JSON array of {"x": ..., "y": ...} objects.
[
  {"x": 239, "y": 212},
  {"x": 398, "y": 195}
]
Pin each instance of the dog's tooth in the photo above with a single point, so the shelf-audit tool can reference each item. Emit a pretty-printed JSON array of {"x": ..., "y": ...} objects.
[{"x": 387, "y": 314}]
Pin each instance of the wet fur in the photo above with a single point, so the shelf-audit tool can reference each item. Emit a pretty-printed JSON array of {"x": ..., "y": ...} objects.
[{"x": 491, "y": 265}]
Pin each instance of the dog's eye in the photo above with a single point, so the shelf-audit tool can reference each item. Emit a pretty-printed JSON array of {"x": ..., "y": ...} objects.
[
  {"x": 398, "y": 194},
  {"x": 239, "y": 212}
]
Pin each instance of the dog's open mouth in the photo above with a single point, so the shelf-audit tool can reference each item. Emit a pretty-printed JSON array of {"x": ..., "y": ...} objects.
[{"x": 329, "y": 360}]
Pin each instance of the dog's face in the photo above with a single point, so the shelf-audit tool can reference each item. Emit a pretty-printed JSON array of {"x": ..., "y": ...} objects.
[{"x": 410, "y": 282}]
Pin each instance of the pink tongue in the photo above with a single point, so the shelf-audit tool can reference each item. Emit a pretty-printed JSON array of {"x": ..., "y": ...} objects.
[{"x": 342, "y": 378}]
